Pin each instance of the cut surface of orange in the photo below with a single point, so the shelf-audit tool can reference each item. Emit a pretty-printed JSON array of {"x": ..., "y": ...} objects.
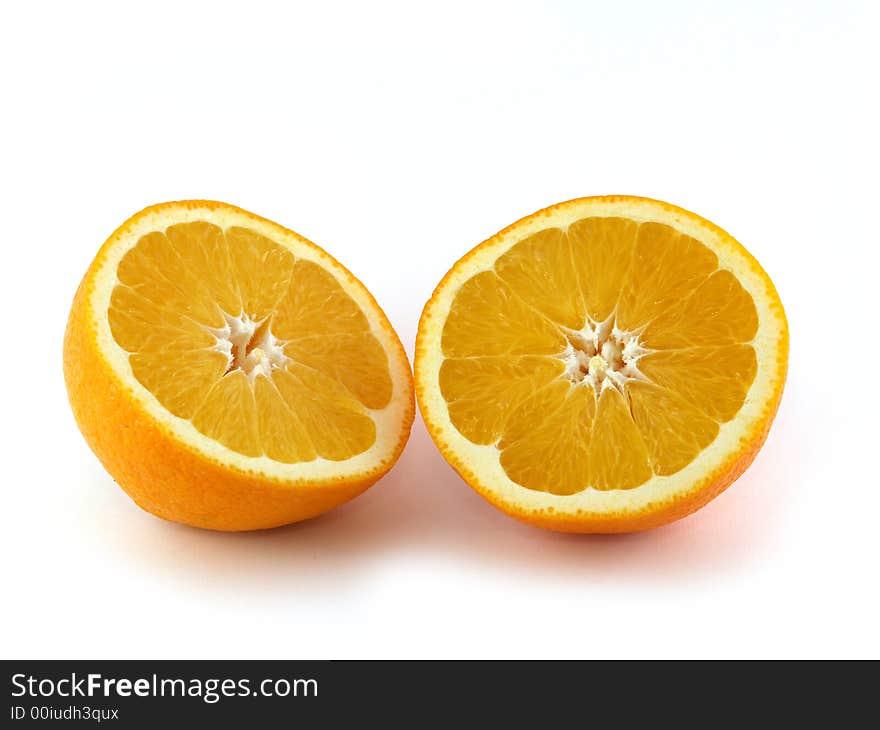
[
  {"x": 607, "y": 364},
  {"x": 231, "y": 374}
]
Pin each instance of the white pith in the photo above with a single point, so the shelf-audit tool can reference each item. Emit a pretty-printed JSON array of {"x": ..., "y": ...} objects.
[
  {"x": 600, "y": 355},
  {"x": 249, "y": 346},
  {"x": 390, "y": 421},
  {"x": 482, "y": 462}
]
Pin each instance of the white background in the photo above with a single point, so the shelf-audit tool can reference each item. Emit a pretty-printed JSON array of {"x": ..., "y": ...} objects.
[{"x": 398, "y": 136}]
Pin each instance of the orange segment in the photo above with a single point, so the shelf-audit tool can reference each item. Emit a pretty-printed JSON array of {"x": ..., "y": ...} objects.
[
  {"x": 333, "y": 421},
  {"x": 206, "y": 248},
  {"x": 673, "y": 431},
  {"x": 488, "y": 318},
  {"x": 316, "y": 304},
  {"x": 553, "y": 455},
  {"x": 667, "y": 265},
  {"x": 282, "y": 435},
  {"x": 231, "y": 374},
  {"x": 714, "y": 380},
  {"x": 139, "y": 325},
  {"x": 355, "y": 360},
  {"x": 602, "y": 250},
  {"x": 483, "y": 391},
  {"x": 537, "y": 269},
  {"x": 261, "y": 269},
  {"x": 618, "y": 457},
  {"x": 540, "y": 405},
  {"x": 154, "y": 269},
  {"x": 180, "y": 379},
  {"x": 718, "y": 312},
  {"x": 229, "y": 415}
]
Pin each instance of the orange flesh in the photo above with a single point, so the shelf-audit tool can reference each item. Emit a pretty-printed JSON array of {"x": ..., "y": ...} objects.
[
  {"x": 303, "y": 396},
  {"x": 507, "y": 382}
]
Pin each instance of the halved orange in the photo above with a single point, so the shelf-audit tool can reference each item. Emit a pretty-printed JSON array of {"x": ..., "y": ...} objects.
[
  {"x": 607, "y": 364},
  {"x": 231, "y": 374}
]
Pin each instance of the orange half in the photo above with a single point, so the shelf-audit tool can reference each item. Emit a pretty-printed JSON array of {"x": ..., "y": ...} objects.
[
  {"x": 607, "y": 364},
  {"x": 231, "y": 374}
]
